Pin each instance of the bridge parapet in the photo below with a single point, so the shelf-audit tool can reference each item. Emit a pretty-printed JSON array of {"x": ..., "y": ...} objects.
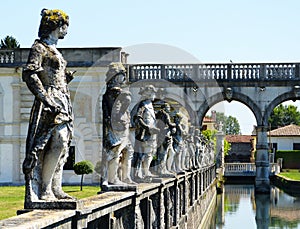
[
  {"x": 247, "y": 169},
  {"x": 215, "y": 72}
]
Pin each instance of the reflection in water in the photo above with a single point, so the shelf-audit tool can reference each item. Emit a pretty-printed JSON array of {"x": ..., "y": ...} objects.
[{"x": 239, "y": 207}]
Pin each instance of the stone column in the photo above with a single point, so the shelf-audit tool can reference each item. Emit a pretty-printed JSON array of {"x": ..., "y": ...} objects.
[{"x": 262, "y": 181}]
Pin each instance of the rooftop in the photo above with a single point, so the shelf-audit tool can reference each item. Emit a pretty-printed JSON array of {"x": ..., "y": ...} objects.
[
  {"x": 238, "y": 138},
  {"x": 290, "y": 130}
]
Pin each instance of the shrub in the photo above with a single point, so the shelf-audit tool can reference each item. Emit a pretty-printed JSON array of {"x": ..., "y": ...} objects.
[
  {"x": 83, "y": 167},
  {"x": 291, "y": 158}
]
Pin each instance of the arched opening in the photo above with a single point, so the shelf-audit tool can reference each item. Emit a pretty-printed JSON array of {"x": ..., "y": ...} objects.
[
  {"x": 238, "y": 110},
  {"x": 237, "y": 122}
]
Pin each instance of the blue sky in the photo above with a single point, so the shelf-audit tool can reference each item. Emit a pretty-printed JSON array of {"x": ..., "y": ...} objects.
[{"x": 211, "y": 31}]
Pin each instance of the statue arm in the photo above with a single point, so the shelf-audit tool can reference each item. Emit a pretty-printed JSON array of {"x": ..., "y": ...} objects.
[{"x": 169, "y": 122}]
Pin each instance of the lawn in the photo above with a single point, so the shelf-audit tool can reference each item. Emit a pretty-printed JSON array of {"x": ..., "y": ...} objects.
[
  {"x": 12, "y": 197},
  {"x": 293, "y": 174}
]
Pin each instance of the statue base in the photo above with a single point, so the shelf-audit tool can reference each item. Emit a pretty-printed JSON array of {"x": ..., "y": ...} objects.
[
  {"x": 51, "y": 205},
  {"x": 115, "y": 187}
]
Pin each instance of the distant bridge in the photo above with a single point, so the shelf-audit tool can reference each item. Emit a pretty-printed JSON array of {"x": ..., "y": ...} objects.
[
  {"x": 246, "y": 169},
  {"x": 252, "y": 72},
  {"x": 198, "y": 87}
]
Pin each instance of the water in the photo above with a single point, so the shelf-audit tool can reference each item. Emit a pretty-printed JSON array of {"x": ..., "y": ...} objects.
[{"x": 239, "y": 208}]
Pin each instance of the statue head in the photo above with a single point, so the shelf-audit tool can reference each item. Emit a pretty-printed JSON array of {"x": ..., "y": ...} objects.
[
  {"x": 228, "y": 93},
  {"x": 197, "y": 132},
  {"x": 51, "y": 20},
  {"x": 178, "y": 117},
  {"x": 166, "y": 107},
  {"x": 148, "y": 92},
  {"x": 116, "y": 75}
]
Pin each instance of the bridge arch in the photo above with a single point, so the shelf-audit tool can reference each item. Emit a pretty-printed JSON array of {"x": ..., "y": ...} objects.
[
  {"x": 275, "y": 102},
  {"x": 193, "y": 117},
  {"x": 239, "y": 97}
]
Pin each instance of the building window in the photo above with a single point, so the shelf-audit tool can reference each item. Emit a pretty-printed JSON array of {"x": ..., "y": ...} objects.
[
  {"x": 71, "y": 159},
  {"x": 296, "y": 146}
]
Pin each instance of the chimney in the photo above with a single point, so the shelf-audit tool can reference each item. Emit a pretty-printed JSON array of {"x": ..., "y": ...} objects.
[{"x": 214, "y": 116}]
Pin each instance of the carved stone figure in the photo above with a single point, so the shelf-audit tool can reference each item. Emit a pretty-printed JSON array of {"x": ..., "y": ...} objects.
[
  {"x": 189, "y": 161},
  {"x": 178, "y": 144},
  {"x": 116, "y": 123},
  {"x": 145, "y": 134},
  {"x": 51, "y": 120},
  {"x": 198, "y": 147},
  {"x": 228, "y": 93},
  {"x": 165, "y": 151}
]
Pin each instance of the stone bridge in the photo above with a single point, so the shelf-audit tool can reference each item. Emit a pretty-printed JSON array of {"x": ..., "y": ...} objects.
[{"x": 197, "y": 87}]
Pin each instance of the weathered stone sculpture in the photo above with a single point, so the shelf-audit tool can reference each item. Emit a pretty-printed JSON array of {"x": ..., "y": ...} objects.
[
  {"x": 51, "y": 121},
  {"x": 165, "y": 151},
  {"x": 145, "y": 134},
  {"x": 198, "y": 147},
  {"x": 178, "y": 144},
  {"x": 189, "y": 161},
  {"x": 116, "y": 123}
]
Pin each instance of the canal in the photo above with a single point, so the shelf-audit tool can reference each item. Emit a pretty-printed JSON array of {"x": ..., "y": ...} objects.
[{"x": 238, "y": 207}]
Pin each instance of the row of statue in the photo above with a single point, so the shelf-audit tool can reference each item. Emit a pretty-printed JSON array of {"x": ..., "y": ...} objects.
[{"x": 157, "y": 134}]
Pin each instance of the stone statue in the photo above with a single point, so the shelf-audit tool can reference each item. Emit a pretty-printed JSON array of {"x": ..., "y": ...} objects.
[
  {"x": 190, "y": 149},
  {"x": 198, "y": 147},
  {"x": 51, "y": 120},
  {"x": 145, "y": 134},
  {"x": 178, "y": 144},
  {"x": 116, "y": 123},
  {"x": 165, "y": 151}
]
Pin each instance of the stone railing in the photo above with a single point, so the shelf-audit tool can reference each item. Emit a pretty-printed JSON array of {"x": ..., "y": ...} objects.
[
  {"x": 181, "y": 202},
  {"x": 76, "y": 57},
  {"x": 218, "y": 72},
  {"x": 247, "y": 169},
  {"x": 7, "y": 56}
]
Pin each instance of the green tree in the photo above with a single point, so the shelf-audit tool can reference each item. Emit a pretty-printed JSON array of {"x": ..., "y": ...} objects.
[
  {"x": 230, "y": 125},
  {"x": 284, "y": 115},
  {"x": 83, "y": 167},
  {"x": 211, "y": 136},
  {"x": 9, "y": 42}
]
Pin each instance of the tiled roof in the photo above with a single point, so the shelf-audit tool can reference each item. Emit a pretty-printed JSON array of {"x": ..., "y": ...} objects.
[
  {"x": 238, "y": 138},
  {"x": 290, "y": 130}
]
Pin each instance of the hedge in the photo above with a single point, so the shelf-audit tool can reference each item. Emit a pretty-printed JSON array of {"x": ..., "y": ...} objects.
[{"x": 291, "y": 158}]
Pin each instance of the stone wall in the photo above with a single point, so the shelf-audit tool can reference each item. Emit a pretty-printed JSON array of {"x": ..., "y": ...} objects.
[{"x": 181, "y": 202}]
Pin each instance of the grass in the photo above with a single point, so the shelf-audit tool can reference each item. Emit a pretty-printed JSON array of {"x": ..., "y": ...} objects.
[
  {"x": 12, "y": 197},
  {"x": 293, "y": 174}
]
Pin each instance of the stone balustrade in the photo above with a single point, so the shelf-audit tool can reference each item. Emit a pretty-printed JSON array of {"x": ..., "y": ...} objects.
[
  {"x": 216, "y": 72},
  {"x": 7, "y": 56},
  {"x": 181, "y": 202},
  {"x": 171, "y": 72},
  {"x": 247, "y": 169}
]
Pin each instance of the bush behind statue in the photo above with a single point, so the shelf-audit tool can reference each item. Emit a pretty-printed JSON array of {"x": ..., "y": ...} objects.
[{"x": 83, "y": 167}]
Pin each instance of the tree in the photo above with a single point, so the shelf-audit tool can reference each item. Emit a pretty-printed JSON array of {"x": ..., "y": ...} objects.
[
  {"x": 284, "y": 115},
  {"x": 211, "y": 136},
  {"x": 83, "y": 167},
  {"x": 230, "y": 124},
  {"x": 9, "y": 42}
]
